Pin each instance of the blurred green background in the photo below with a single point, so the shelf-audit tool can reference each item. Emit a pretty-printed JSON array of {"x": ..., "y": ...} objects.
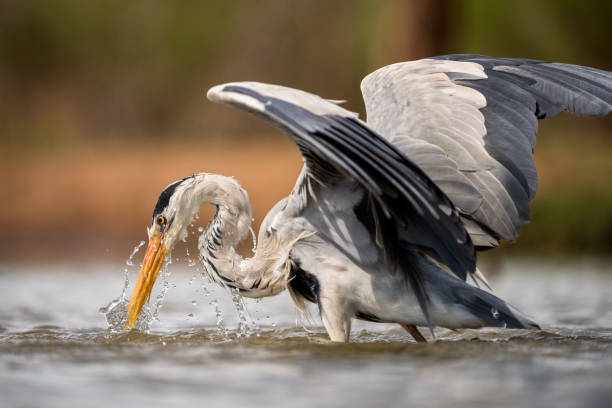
[{"x": 102, "y": 105}]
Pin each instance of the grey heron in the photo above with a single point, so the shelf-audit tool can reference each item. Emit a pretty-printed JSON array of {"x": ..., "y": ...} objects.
[{"x": 386, "y": 217}]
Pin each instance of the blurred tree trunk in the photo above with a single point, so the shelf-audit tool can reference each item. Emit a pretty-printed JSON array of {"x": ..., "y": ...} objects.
[
  {"x": 427, "y": 27},
  {"x": 415, "y": 29}
]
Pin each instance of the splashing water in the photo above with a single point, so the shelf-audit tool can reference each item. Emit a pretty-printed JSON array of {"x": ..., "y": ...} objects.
[
  {"x": 255, "y": 320},
  {"x": 116, "y": 316},
  {"x": 115, "y": 312},
  {"x": 254, "y": 239},
  {"x": 247, "y": 324},
  {"x": 159, "y": 301},
  {"x": 243, "y": 324},
  {"x": 221, "y": 329},
  {"x": 130, "y": 260},
  {"x": 190, "y": 261},
  {"x": 130, "y": 263},
  {"x": 126, "y": 283}
]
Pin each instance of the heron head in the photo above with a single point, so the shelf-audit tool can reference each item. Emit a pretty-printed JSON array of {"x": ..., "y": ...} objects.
[{"x": 174, "y": 210}]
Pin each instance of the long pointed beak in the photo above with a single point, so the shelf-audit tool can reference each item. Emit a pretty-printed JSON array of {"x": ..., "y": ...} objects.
[{"x": 153, "y": 260}]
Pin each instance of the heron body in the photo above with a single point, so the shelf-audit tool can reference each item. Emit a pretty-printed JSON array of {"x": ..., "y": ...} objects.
[{"x": 386, "y": 217}]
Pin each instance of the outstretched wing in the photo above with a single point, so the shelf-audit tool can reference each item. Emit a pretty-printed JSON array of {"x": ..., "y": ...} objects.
[
  {"x": 338, "y": 148},
  {"x": 470, "y": 122}
]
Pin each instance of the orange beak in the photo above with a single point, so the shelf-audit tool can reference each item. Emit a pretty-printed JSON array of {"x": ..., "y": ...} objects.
[{"x": 153, "y": 260}]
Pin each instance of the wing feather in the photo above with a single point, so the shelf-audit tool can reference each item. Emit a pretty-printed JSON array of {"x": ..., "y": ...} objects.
[
  {"x": 337, "y": 148},
  {"x": 481, "y": 113}
]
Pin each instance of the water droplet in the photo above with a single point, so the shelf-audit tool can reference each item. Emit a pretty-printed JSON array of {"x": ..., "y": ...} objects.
[
  {"x": 244, "y": 327},
  {"x": 219, "y": 316},
  {"x": 190, "y": 315},
  {"x": 200, "y": 229},
  {"x": 254, "y": 239},
  {"x": 130, "y": 261},
  {"x": 166, "y": 286},
  {"x": 495, "y": 313},
  {"x": 126, "y": 282},
  {"x": 194, "y": 303}
]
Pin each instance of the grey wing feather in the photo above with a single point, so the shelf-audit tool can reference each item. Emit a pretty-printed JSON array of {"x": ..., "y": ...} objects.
[
  {"x": 481, "y": 113},
  {"x": 337, "y": 148}
]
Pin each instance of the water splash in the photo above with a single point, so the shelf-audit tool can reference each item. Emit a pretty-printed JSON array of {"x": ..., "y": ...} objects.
[
  {"x": 190, "y": 261},
  {"x": 256, "y": 320},
  {"x": 116, "y": 316},
  {"x": 159, "y": 300},
  {"x": 243, "y": 324},
  {"x": 126, "y": 271},
  {"x": 254, "y": 239},
  {"x": 126, "y": 283},
  {"x": 130, "y": 260},
  {"x": 247, "y": 324},
  {"x": 221, "y": 329},
  {"x": 115, "y": 312}
]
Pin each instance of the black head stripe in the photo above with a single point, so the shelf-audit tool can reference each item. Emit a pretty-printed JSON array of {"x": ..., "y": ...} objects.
[{"x": 164, "y": 197}]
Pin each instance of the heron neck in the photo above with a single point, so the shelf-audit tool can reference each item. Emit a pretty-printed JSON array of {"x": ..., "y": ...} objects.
[{"x": 256, "y": 276}]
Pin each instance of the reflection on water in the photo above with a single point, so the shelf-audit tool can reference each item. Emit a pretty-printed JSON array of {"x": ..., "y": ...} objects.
[{"x": 55, "y": 349}]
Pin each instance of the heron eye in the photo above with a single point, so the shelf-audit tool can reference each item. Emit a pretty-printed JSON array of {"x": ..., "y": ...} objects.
[{"x": 161, "y": 220}]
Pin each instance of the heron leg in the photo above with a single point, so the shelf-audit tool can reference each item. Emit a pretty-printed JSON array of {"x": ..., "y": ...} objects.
[
  {"x": 336, "y": 321},
  {"x": 414, "y": 332}
]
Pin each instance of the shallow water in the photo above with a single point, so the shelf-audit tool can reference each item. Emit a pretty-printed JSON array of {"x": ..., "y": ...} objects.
[{"x": 56, "y": 351}]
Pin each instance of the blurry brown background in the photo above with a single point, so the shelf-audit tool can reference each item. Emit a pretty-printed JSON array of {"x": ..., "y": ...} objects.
[{"x": 102, "y": 104}]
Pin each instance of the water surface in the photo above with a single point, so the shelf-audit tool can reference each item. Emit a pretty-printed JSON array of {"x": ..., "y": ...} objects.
[{"x": 56, "y": 350}]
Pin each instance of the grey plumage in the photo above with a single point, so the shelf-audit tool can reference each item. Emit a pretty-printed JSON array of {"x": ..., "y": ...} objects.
[
  {"x": 442, "y": 168},
  {"x": 499, "y": 125}
]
